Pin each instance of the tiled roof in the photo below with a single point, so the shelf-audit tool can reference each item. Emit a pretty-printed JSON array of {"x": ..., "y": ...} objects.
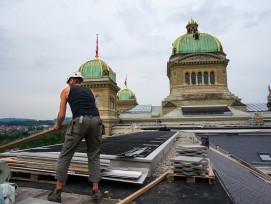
[
  {"x": 256, "y": 107},
  {"x": 140, "y": 108},
  {"x": 242, "y": 185}
]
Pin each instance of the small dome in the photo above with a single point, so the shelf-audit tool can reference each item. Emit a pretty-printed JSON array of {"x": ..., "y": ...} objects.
[
  {"x": 194, "y": 41},
  {"x": 96, "y": 68},
  {"x": 126, "y": 94}
]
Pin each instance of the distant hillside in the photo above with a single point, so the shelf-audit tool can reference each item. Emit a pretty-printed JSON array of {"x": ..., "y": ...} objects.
[
  {"x": 29, "y": 122},
  {"x": 67, "y": 119},
  {"x": 14, "y": 119},
  {"x": 24, "y": 122}
]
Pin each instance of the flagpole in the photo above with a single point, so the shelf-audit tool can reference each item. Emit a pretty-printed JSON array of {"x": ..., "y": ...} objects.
[
  {"x": 97, "y": 49},
  {"x": 125, "y": 82}
]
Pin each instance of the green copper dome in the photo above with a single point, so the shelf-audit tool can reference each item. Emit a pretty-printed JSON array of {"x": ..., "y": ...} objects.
[
  {"x": 126, "y": 94},
  {"x": 96, "y": 68},
  {"x": 195, "y": 41}
]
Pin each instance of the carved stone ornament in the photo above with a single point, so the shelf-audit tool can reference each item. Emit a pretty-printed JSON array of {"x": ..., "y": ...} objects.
[
  {"x": 202, "y": 96},
  {"x": 200, "y": 58}
]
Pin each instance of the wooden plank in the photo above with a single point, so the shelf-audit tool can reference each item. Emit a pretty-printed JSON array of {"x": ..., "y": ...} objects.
[
  {"x": 192, "y": 179},
  {"x": 24, "y": 175},
  {"x": 136, "y": 194},
  {"x": 27, "y": 139},
  {"x": 211, "y": 172}
]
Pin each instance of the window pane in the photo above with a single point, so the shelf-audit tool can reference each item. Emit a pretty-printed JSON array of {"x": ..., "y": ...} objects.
[
  {"x": 206, "y": 81},
  {"x": 193, "y": 78},
  {"x": 212, "y": 77},
  {"x": 199, "y": 78},
  {"x": 187, "y": 78}
]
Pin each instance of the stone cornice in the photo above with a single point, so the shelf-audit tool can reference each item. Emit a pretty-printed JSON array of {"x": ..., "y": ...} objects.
[
  {"x": 197, "y": 58},
  {"x": 100, "y": 84}
]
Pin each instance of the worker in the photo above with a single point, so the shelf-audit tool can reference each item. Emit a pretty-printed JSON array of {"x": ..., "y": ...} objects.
[
  {"x": 205, "y": 141},
  {"x": 86, "y": 123}
]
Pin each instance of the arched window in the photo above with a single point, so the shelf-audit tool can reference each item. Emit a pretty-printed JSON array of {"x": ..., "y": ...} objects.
[
  {"x": 206, "y": 81},
  {"x": 193, "y": 78},
  {"x": 199, "y": 78},
  {"x": 212, "y": 77},
  {"x": 187, "y": 78},
  {"x": 112, "y": 103},
  {"x": 98, "y": 100}
]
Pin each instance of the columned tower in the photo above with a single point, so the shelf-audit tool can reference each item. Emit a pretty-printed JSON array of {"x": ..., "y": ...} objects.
[
  {"x": 101, "y": 79},
  {"x": 197, "y": 71}
]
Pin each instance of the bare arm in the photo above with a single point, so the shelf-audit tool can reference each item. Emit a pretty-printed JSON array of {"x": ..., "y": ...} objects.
[{"x": 62, "y": 108}]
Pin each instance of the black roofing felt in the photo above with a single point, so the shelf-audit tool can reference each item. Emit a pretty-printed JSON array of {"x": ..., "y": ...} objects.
[
  {"x": 178, "y": 191},
  {"x": 244, "y": 147},
  {"x": 243, "y": 186},
  {"x": 121, "y": 144}
]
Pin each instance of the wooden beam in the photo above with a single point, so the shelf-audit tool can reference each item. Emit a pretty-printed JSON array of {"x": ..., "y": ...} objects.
[
  {"x": 27, "y": 139},
  {"x": 143, "y": 190}
]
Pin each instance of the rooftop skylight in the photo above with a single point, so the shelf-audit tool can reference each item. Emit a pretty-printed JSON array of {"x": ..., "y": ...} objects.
[{"x": 264, "y": 156}]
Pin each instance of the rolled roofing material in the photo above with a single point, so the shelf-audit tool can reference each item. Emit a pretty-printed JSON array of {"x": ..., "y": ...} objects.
[{"x": 4, "y": 171}]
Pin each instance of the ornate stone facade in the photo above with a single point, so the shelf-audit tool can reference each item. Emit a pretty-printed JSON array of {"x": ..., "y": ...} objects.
[
  {"x": 123, "y": 105},
  {"x": 198, "y": 75},
  {"x": 105, "y": 91}
]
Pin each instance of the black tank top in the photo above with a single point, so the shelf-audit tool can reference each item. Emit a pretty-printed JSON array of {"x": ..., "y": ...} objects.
[{"x": 82, "y": 102}]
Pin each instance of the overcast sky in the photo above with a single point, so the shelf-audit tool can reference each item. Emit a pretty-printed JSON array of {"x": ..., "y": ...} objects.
[{"x": 42, "y": 41}]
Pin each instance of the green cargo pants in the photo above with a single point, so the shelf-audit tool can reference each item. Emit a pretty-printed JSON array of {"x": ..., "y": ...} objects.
[{"x": 87, "y": 127}]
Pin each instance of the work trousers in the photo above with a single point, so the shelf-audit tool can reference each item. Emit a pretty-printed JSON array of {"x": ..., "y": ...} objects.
[{"x": 89, "y": 128}]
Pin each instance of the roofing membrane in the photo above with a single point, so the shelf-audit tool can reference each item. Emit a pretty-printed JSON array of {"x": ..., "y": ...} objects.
[
  {"x": 241, "y": 183},
  {"x": 120, "y": 144},
  {"x": 244, "y": 147}
]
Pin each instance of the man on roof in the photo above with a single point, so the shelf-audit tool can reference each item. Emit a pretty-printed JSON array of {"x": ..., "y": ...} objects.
[{"x": 86, "y": 124}]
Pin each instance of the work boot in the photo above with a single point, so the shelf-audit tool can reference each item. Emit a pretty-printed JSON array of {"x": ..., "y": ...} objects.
[
  {"x": 96, "y": 196},
  {"x": 55, "y": 196}
]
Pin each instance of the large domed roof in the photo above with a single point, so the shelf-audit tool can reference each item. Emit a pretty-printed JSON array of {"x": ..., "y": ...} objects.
[
  {"x": 195, "y": 41},
  {"x": 96, "y": 68},
  {"x": 126, "y": 94}
]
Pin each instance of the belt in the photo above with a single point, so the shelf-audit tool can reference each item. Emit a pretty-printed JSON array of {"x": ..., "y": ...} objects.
[{"x": 88, "y": 116}]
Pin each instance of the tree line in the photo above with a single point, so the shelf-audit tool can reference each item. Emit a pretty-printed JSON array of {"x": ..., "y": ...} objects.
[{"x": 27, "y": 123}]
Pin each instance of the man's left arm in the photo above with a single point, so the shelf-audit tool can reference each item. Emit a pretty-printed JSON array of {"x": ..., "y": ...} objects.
[{"x": 62, "y": 110}]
